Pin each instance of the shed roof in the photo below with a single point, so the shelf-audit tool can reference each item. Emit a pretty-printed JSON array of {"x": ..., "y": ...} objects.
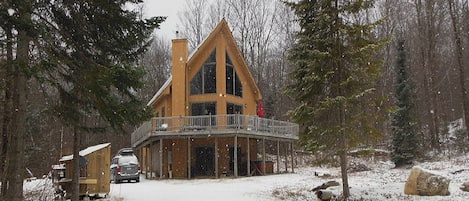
[{"x": 86, "y": 151}]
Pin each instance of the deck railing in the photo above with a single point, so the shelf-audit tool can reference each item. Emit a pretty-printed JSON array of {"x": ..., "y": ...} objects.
[{"x": 232, "y": 123}]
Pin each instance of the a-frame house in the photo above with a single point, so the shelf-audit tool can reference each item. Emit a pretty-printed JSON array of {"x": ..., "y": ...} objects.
[{"x": 206, "y": 120}]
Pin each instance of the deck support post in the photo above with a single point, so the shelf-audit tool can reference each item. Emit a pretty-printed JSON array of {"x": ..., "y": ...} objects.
[
  {"x": 216, "y": 158},
  {"x": 248, "y": 154},
  {"x": 286, "y": 156},
  {"x": 292, "y": 161},
  {"x": 263, "y": 156},
  {"x": 147, "y": 153},
  {"x": 235, "y": 157},
  {"x": 151, "y": 160},
  {"x": 278, "y": 156},
  {"x": 161, "y": 158},
  {"x": 189, "y": 157}
]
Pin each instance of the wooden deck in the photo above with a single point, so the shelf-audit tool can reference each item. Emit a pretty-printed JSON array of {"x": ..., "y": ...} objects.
[{"x": 203, "y": 126}]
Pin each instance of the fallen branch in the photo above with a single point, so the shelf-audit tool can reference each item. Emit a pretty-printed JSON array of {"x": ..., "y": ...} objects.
[
  {"x": 325, "y": 185},
  {"x": 459, "y": 171}
]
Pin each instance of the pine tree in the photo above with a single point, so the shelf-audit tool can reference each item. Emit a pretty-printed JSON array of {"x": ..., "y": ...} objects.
[
  {"x": 103, "y": 42},
  {"x": 88, "y": 50},
  {"x": 16, "y": 64},
  {"x": 336, "y": 67},
  {"x": 403, "y": 126}
]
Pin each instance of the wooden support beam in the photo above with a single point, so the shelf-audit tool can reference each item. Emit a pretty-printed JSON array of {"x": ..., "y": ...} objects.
[
  {"x": 147, "y": 153},
  {"x": 286, "y": 157},
  {"x": 248, "y": 157},
  {"x": 263, "y": 156},
  {"x": 278, "y": 156},
  {"x": 216, "y": 158},
  {"x": 161, "y": 158},
  {"x": 189, "y": 157},
  {"x": 292, "y": 161},
  {"x": 151, "y": 160},
  {"x": 235, "y": 153}
]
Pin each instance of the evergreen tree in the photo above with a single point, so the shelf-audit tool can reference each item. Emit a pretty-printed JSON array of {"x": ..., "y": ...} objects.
[
  {"x": 336, "y": 67},
  {"x": 403, "y": 127},
  {"x": 88, "y": 50},
  {"x": 98, "y": 73},
  {"x": 15, "y": 18},
  {"x": 103, "y": 42}
]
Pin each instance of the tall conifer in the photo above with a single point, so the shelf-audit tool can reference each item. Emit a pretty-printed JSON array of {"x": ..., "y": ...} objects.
[
  {"x": 88, "y": 50},
  {"x": 102, "y": 42},
  {"x": 336, "y": 67},
  {"x": 403, "y": 126}
]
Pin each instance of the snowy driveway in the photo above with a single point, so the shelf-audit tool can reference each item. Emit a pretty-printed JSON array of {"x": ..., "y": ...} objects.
[{"x": 249, "y": 188}]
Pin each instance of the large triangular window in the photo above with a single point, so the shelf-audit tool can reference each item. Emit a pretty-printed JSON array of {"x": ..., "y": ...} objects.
[
  {"x": 205, "y": 81},
  {"x": 233, "y": 84}
]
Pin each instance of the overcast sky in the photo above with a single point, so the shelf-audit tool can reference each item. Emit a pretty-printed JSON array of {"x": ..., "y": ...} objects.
[{"x": 169, "y": 8}]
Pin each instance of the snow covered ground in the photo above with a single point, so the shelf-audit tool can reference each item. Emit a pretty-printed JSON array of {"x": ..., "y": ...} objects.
[{"x": 383, "y": 182}]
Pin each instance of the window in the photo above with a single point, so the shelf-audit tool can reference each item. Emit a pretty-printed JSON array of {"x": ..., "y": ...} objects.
[
  {"x": 199, "y": 109},
  {"x": 233, "y": 84},
  {"x": 232, "y": 108},
  {"x": 205, "y": 81},
  {"x": 206, "y": 108}
]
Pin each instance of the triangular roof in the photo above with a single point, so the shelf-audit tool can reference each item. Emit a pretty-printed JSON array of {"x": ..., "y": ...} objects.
[{"x": 224, "y": 29}]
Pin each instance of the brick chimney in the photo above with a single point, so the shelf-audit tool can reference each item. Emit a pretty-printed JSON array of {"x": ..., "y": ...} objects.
[{"x": 179, "y": 72}]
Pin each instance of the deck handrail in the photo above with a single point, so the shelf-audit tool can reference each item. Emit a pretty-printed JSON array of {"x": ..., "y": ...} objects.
[{"x": 215, "y": 123}]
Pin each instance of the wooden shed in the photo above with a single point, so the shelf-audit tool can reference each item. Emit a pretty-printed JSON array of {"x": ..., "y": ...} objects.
[{"x": 94, "y": 171}]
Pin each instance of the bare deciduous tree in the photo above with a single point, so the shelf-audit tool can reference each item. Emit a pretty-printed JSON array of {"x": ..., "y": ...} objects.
[
  {"x": 455, "y": 11},
  {"x": 193, "y": 19},
  {"x": 157, "y": 64},
  {"x": 430, "y": 18},
  {"x": 218, "y": 10}
]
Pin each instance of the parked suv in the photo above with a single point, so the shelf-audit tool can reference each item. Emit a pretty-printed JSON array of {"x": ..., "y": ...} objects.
[{"x": 125, "y": 166}]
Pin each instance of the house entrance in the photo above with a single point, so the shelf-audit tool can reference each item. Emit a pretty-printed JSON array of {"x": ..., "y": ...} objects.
[{"x": 204, "y": 161}]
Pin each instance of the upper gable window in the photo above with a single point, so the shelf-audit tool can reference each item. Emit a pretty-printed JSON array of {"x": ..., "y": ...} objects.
[
  {"x": 205, "y": 81},
  {"x": 233, "y": 84}
]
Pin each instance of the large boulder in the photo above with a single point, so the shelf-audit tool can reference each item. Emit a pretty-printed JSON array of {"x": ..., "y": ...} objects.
[{"x": 423, "y": 182}]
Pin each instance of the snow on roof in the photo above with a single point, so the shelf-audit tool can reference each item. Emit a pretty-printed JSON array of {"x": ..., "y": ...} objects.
[
  {"x": 160, "y": 91},
  {"x": 86, "y": 151}
]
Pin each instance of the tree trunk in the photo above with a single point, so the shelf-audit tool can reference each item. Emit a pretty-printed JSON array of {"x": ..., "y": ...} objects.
[
  {"x": 343, "y": 170},
  {"x": 343, "y": 154},
  {"x": 76, "y": 165},
  {"x": 341, "y": 115},
  {"x": 459, "y": 57},
  {"x": 426, "y": 27},
  {"x": 6, "y": 114},
  {"x": 15, "y": 153}
]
